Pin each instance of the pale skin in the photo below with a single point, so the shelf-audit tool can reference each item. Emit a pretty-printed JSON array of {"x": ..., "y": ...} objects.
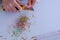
[{"x": 11, "y": 4}]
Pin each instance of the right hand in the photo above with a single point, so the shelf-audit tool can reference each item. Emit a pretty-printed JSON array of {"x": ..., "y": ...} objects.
[{"x": 10, "y": 5}]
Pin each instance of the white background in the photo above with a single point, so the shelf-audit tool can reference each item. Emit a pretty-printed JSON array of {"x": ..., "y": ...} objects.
[{"x": 47, "y": 17}]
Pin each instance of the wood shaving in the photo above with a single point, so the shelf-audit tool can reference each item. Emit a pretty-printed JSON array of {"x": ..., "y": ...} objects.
[{"x": 22, "y": 22}]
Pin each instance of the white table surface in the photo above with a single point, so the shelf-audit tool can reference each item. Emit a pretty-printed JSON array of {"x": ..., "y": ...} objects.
[{"x": 47, "y": 18}]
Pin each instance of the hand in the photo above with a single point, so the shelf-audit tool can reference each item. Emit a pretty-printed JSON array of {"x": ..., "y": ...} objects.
[
  {"x": 31, "y": 3},
  {"x": 10, "y": 5}
]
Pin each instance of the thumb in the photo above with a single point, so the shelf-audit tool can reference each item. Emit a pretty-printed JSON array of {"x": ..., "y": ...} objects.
[
  {"x": 29, "y": 2},
  {"x": 33, "y": 2}
]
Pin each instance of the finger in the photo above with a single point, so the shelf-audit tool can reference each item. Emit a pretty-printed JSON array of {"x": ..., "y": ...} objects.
[
  {"x": 13, "y": 9},
  {"x": 7, "y": 9},
  {"x": 10, "y": 8},
  {"x": 29, "y": 2},
  {"x": 18, "y": 6},
  {"x": 33, "y": 2}
]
